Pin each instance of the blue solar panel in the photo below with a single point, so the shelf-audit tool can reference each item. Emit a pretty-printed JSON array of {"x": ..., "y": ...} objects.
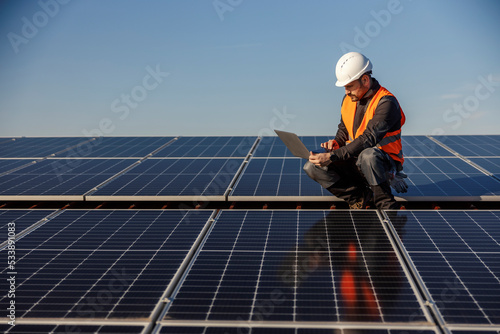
[
  {"x": 21, "y": 219},
  {"x": 119, "y": 147},
  {"x": 422, "y": 146},
  {"x": 492, "y": 165},
  {"x": 7, "y": 165},
  {"x": 191, "y": 147},
  {"x": 38, "y": 147},
  {"x": 457, "y": 255},
  {"x": 274, "y": 147},
  {"x": 477, "y": 145},
  {"x": 102, "y": 264},
  {"x": 279, "y": 179},
  {"x": 60, "y": 177},
  {"x": 447, "y": 178},
  {"x": 309, "y": 265},
  {"x": 174, "y": 177}
]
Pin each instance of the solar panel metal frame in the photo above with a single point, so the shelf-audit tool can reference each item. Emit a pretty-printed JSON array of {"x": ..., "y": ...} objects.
[
  {"x": 429, "y": 325},
  {"x": 147, "y": 322},
  {"x": 429, "y": 300}
]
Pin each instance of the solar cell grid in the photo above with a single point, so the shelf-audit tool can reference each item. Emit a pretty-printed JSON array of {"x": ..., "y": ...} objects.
[
  {"x": 276, "y": 178},
  {"x": 492, "y": 165},
  {"x": 117, "y": 147},
  {"x": 70, "y": 328},
  {"x": 422, "y": 146},
  {"x": 7, "y": 165},
  {"x": 246, "y": 330},
  {"x": 470, "y": 146},
  {"x": 447, "y": 178},
  {"x": 102, "y": 264},
  {"x": 38, "y": 146},
  {"x": 296, "y": 266},
  {"x": 174, "y": 177},
  {"x": 190, "y": 147},
  {"x": 58, "y": 177},
  {"x": 22, "y": 219},
  {"x": 457, "y": 255}
]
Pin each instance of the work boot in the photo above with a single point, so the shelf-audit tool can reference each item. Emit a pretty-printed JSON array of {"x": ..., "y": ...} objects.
[
  {"x": 357, "y": 197},
  {"x": 364, "y": 202},
  {"x": 383, "y": 198}
]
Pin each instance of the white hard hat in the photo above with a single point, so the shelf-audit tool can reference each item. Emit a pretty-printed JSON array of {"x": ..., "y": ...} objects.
[{"x": 350, "y": 67}]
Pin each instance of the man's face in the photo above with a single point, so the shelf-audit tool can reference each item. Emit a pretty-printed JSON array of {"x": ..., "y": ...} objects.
[{"x": 357, "y": 89}]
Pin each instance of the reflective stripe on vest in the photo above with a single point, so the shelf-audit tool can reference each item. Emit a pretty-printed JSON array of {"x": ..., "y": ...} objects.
[{"x": 391, "y": 143}]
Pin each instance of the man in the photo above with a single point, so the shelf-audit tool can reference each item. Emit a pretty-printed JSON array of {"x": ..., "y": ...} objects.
[{"x": 366, "y": 156}]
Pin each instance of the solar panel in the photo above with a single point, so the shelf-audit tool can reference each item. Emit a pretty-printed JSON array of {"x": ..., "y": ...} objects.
[
  {"x": 68, "y": 178},
  {"x": 457, "y": 256},
  {"x": 277, "y": 179},
  {"x": 22, "y": 219},
  {"x": 287, "y": 330},
  {"x": 120, "y": 147},
  {"x": 422, "y": 146},
  {"x": 172, "y": 179},
  {"x": 191, "y": 147},
  {"x": 492, "y": 165},
  {"x": 296, "y": 266},
  {"x": 274, "y": 147},
  {"x": 447, "y": 179},
  {"x": 102, "y": 264},
  {"x": 70, "y": 328},
  {"x": 38, "y": 146},
  {"x": 7, "y": 165},
  {"x": 471, "y": 146}
]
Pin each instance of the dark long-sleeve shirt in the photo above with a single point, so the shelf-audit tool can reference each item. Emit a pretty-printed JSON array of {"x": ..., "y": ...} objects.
[{"x": 387, "y": 118}]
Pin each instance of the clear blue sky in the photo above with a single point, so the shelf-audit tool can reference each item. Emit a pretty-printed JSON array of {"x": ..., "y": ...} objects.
[{"x": 241, "y": 67}]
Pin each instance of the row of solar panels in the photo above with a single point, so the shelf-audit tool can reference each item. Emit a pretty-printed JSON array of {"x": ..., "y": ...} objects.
[
  {"x": 254, "y": 271},
  {"x": 451, "y": 168}
]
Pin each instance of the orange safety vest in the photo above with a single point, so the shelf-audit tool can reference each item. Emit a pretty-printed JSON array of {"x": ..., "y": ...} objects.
[{"x": 391, "y": 143}]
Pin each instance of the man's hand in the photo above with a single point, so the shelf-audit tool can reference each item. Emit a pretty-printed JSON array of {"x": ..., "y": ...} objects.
[
  {"x": 397, "y": 181},
  {"x": 330, "y": 145},
  {"x": 320, "y": 159}
]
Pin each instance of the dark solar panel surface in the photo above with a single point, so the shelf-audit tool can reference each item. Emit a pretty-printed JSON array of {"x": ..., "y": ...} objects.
[
  {"x": 274, "y": 147},
  {"x": 38, "y": 147},
  {"x": 190, "y": 147},
  {"x": 457, "y": 255},
  {"x": 7, "y": 165},
  {"x": 61, "y": 176},
  {"x": 240, "y": 330},
  {"x": 477, "y": 145},
  {"x": 447, "y": 177},
  {"x": 492, "y": 165},
  {"x": 70, "y": 328},
  {"x": 22, "y": 219},
  {"x": 306, "y": 264},
  {"x": 422, "y": 146},
  {"x": 102, "y": 264},
  {"x": 276, "y": 177},
  {"x": 121, "y": 147},
  {"x": 174, "y": 177}
]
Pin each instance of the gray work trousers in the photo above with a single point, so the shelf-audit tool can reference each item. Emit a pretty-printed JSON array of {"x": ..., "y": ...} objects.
[{"x": 369, "y": 169}]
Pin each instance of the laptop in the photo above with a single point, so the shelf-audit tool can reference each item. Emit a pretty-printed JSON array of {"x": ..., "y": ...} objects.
[{"x": 295, "y": 145}]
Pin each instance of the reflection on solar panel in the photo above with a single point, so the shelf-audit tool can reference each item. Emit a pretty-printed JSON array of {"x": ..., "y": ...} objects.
[
  {"x": 7, "y": 165},
  {"x": 70, "y": 328},
  {"x": 21, "y": 218},
  {"x": 38, "y": 147},
  {"x": 60, "y": 177},
  {"x": 422, "y": 146},
  {"x": 259, "y": 330},
  {"x": 447, "y": 178},
  {"x": 298, "y": 266},
  {"x": 277, "y": 179},
  {"x": 274, "y": 147},
  {"x": 477, "y": 145},
  {"x": 102, "y": 264},
  {"x": 191, "y": 147},
  {"x": 171, "y": 178},
  {"x": 117, "y": 147},
  {"x": 457, "y": 255}
]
